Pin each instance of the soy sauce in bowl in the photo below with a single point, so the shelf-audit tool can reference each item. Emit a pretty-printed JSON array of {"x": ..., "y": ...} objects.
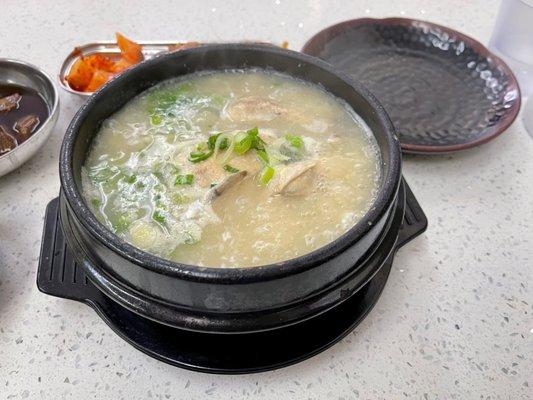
[{"x": 22, "y": 112}]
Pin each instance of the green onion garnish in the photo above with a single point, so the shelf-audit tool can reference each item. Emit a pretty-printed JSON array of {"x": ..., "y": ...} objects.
[
  {"x": 158, "y": 217},
  {"x": 262, "y": 154},
  {"x": 224, "y": 143},
  {"x": 184, "y": 179},
  {"x": 231, "y": 169},
  {"x": 243, "y": 142},
  {"x": 294, "y": 141},
  {"x": 156, "y": 119},
  {"x": 266, "y": 174},
  {"x": 131, "y": 179},
  {"x": 197, "y": 156}
]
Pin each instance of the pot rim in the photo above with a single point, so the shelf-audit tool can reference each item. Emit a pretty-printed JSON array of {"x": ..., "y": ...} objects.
[{"x": 386, "y": 194}]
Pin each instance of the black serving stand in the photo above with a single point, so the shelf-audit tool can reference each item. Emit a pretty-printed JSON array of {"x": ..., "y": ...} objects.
[{"x": 59, "y": 275}]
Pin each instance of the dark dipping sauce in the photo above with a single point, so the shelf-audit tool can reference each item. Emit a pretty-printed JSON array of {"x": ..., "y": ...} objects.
[{"x": 22, "y": 112}]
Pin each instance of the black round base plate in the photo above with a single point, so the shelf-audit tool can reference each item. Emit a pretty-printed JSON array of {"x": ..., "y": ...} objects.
[
  {"x": 59, "y": 275},
  {"x": 252, "y": 352}
]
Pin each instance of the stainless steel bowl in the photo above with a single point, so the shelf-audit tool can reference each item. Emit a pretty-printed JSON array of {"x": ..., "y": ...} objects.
[{"x": 24, "y": 74}]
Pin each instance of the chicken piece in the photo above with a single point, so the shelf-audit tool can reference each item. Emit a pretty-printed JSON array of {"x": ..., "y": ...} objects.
[
  {"x": 226, "y": 184},
  {"x": 10, "y": 102},
  {"x": 7, "y": 142},
  {"x": 289, "y": 180},
  {"x": 26, "y": 125},
  {"x": 255, "y": 109}
]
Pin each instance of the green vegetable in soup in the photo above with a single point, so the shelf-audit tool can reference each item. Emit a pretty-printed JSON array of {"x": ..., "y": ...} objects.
[
  {"x": 266, "y": 174},
  {"x": 121, "y": 222},
  {"x": 243, "y": 142},
  {"x": 156, "y": 119},
  {"x": 159, "y": 217},
  {"x": 179, "y": 199},
  {"x": 197, "y": 156},
  {"x": 231, "y": 169},
  {"x": 131, "y": 179},
  {"x": 263, "y": 156},
  {"x": 184, "y": 179},
  {"x": 211, "y": 142},
  {"x": 294, "y": 141}
]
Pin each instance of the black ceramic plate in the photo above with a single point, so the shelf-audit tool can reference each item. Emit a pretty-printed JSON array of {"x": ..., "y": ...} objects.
[{"x": 443, "y": 90}]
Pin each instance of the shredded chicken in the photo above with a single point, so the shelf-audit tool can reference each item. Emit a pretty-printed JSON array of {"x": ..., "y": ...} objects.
[
  {"x": 286, "y": 176},
  {"x": 254, "y": 109}
]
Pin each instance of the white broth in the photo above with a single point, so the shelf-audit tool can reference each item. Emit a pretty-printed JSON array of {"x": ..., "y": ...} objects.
[{"x": 232, "y": 169}]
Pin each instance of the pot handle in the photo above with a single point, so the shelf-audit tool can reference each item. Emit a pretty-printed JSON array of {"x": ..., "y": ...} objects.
[
  {"x": 58, "y": 273},
  {"x": 414, "y": 219}
]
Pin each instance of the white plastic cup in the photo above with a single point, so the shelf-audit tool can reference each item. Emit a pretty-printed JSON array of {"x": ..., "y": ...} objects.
[
  {"x": 512, "y": 39},
  {"x": 527, "y": 115}
]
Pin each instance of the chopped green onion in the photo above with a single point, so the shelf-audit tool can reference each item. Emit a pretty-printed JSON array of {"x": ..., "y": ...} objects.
[
  {"x": 196, "y": 156},
  {"x": 184, "y": 179},
  {"x": 266, "y": 174},
  {"x": 262, "y": 154},
  {"x": 158, "y": 217},
  {"x": 202, "y": 147},
  {"x": 121, "y": 223},
  {"x": 156, "y": 119},
  {"x": 178, "y": 199},
  {"x": 131, "y": 179},
  {"x": 213, "y": 184},
  {"x": 243, "y": 142},
  {"x": 257, "y": 142},
  {"x": 253, "y": 131},
  {"x": 211, "y": 142},
  {"x": 231, "y": 169},
  {"x": 158, "y": 175},
  {"x": 294, "y": 141},
  {"x": 96, "y": 203},
  {"x": 189, "y": 238}
]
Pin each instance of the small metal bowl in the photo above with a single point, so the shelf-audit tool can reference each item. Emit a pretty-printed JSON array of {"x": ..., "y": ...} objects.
[{"x": 21, "y": 73}]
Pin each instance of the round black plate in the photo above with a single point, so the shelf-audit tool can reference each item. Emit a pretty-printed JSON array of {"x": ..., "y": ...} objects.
[
  {"x": 443, "y": 90},
  {"x": 253, "y": 352}
]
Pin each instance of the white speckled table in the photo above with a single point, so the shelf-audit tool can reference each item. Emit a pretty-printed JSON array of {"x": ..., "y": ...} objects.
[{"x": 455, "y": 319}]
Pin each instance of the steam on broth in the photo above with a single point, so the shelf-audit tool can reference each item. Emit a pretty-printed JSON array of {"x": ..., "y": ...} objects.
[{"x": 232, "y": 169}]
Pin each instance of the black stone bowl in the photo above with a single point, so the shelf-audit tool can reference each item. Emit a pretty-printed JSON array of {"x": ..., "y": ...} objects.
[{"x": 226, "y": 300}]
